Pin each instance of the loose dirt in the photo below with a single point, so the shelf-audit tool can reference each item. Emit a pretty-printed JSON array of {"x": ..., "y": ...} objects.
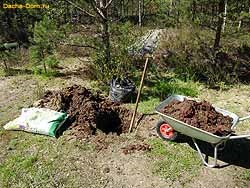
[
  {"x": 201, "y": 115},
  {"x": 87, "y": 112},
  {"x": 136, "y": 147}
]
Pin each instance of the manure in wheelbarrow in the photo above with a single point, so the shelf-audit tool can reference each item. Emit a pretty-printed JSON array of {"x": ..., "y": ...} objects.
[
  {"x": 201, "y": 115},
  {"x": 87, "y": 112}
]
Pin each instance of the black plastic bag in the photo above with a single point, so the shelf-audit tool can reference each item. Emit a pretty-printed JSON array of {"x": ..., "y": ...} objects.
[{"x": 121, "y": 90}]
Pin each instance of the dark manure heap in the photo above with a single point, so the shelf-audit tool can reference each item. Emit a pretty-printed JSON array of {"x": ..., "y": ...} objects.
[
  {"x": 87, "y": 112},
  {"x": 201, "y": 115}
]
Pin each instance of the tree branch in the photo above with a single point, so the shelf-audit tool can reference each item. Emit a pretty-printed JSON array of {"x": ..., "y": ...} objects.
[
  {"x": 100, "y": 13},
  {"x": 108, "y": 4},
  {"x": 81, "y": 9},
  {"x": 98, "y": 10}
]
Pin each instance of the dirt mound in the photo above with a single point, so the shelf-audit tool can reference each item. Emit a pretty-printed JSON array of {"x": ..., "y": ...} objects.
[
  {"x": 201, "y": 115},
  {"x": 136, "y": 147},
  {"x": 87, "y": 112}
]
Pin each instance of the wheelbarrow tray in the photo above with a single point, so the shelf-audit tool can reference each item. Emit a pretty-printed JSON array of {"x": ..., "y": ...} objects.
[{"x": 189, "y": 130}]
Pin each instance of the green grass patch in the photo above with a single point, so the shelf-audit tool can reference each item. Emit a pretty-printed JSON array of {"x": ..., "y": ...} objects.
[
  {"x": 176, "y": 86},
  {"x": 2, "y": 73},
  {"x": 50, "y": 73},
  {"x": 245, "y": 175},
  {"x": 20, "y": 170},
  {"x": 174, "y": 160},
  {"x": 24, "y": 165},
  {"x": 149, "y": 105},
  {"x": 165, "y": 87},
  {"x": 41, "y": 161}
]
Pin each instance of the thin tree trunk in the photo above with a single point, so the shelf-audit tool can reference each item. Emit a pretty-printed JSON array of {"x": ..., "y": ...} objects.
[
  {"x": 178, "y": 11},
  {"x": 106, "y": 42},
  {"x": 239, "y": 25},
  {"x": 143, "y": 6},
  {"x": 66, "y": 14},
  {"x": 224, "y": 16},
  {"x": 194, "y": 10},
  {"x": 44, "y": 67},
  {"x": 171, "y": 7},
  {"x": 5, "y": 65},
  {"x": 134, "y": 12},
  {"x": 105, "y": 32},
  {"x": 219, "y": 25},
  {"x": 127, "y": 9},
  {"x": 122, "y": 9},
  {"x": 139, "y": 9}
]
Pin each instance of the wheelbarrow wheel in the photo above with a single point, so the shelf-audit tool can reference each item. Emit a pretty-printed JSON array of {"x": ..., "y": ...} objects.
[{"x": 165, "y": 131}]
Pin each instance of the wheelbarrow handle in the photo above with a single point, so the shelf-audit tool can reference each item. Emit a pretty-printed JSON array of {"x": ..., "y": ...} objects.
[
  {"x": 244, "y": 118},
  {"x": 241, "y": 136}
]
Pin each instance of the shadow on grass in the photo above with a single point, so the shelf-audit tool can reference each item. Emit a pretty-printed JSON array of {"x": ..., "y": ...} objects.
[
  {"x": 236, "y": 152},
  {"x": 17, "y": 71},
  {"x": 56, "y": 72},
  {"x": 82, "y": 73}
]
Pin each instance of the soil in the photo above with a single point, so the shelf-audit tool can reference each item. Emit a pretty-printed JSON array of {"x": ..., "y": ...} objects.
[
  {"x": 201, "y": 115},
  {"x": 136, "y": 147},
  {"x": 87, "y": 112}
]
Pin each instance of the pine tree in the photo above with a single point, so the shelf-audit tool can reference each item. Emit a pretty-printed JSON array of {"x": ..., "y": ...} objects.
[{"x": 46, "y": 36}]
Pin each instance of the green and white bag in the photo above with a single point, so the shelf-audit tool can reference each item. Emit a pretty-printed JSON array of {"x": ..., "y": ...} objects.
[{"x": 38, "y": 120}]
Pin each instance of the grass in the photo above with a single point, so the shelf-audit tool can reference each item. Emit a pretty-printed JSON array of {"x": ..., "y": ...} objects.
[
  {"x": 18, "y": 167},
  {"x": 40, "y": 161},
  {"x": 176, "y": 86},
  {"x": 2, "y": 73},
  {"x": 148, "y": 106},
  {"x": 151, "y": 96},
  {"x": 246, "y": 175},
  {"x": 21, "y": 165},
  {"x": 32, "y": 160},
  {"x": 162, "y": 84},
  {"x": 175, "y": 161}
]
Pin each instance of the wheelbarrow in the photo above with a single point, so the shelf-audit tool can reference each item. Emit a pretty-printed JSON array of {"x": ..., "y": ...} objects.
[{"x": 168, "y": 128}]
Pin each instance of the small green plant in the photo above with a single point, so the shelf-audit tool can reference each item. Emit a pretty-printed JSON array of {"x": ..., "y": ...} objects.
[
  {"x": 51, "y": 61},
  {"x": 6, "y": 58},
  {"x": 246, "y": 175},
  {"x": 37, "y": 70},
  {"x": 45, "y": 39}
]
